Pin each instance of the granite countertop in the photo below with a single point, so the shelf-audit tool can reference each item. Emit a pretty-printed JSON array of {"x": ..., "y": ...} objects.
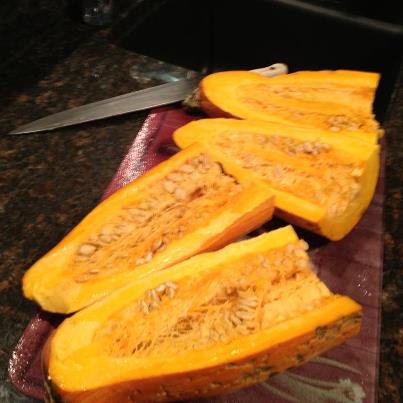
[{"x": 50, "y": 182}]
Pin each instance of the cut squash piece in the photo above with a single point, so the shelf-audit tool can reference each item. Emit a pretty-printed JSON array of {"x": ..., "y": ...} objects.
[
  {"x": 323, "y": 183},
  {"x": 210, "y": 325},
  {"x": 339, "y": 101},
  {"x": 186, "y": 205}
]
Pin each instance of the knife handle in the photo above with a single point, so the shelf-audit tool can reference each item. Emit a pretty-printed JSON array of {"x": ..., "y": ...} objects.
[{"x": 273, "y": 70}]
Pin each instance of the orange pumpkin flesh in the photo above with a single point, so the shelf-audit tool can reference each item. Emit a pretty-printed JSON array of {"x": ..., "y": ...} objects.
[
  {"x": 186, "y": 205},
  {"x": 213, "y": 324},
  {"x": 339, "y": 101},
  {"x": 322, "y": 182}
]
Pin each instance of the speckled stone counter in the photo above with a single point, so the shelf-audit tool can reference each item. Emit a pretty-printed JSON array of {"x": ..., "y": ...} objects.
[{"x": 49, "y": 182}]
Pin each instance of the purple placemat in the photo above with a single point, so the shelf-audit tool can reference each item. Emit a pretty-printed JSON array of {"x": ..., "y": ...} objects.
[{"x": 352, "y": 266}]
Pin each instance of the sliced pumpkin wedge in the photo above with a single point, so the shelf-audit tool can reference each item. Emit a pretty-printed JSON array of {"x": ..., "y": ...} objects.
[
  {"x": 212, "y": 324},
  {"x": 323, "y": 183},
  {"x": 339, "y": 101},
  {"x": 186, "y": 205}
]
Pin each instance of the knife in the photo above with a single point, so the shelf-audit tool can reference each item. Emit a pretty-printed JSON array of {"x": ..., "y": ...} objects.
[
  {"x": 133, "y": 101},
  {"x": 159, "y": 95}
]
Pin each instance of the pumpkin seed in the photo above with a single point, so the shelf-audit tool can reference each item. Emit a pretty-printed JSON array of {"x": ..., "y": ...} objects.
[
  {"x": 241, "y": 314},
  {"x": 154, "y": 295},
  {"x": 123, "y": 229},
  {"x": 87, "y": 249},
  {"x": 180, "y": 194},
  {"x": 235, "y": 320},
  {"x": 107, "y": 230},
  {"x": 105, "y": 239},
  {"x": 161, "y": 288},
  {"x": 186, "y": 168},
  {"x": 168, "y": 186},
  {"x": 148, "y": 257},
  {"x": 356, "y": 172},
  {"x": 144, "y": 306},
  {"x": 171, "y": 292},
  {"x": 158, "y": 244},
  {"x": 174, "y": 177},
  {"x": 248, "y": 302},
  {"x": 261, "y": 138}
]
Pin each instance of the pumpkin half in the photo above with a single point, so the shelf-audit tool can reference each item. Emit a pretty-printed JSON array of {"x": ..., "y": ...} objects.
[
  {"x": 213, "y": 324},
  {"x": 185, "y": 205},
  {"x": 339, "y": 101},
  {"x": 323, "y": 183}
]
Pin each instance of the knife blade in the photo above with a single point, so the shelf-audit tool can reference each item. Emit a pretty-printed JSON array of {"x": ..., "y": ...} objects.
[{"x": 159, "y": 95}]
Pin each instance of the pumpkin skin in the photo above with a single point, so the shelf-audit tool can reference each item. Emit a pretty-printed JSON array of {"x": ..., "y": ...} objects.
[
  {"x": 94, "y": 357},
  {"x": 148, "y": 225},
  {"x": 339, "y": 101},
  {"x": 322, "y": 182}
]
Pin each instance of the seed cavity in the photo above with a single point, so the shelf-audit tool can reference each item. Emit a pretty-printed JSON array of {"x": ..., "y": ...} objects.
[
  {"x": 233, "y": 301},
  {"x": 165, "y": 211},
  {"x": 310, "y": 170}
]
